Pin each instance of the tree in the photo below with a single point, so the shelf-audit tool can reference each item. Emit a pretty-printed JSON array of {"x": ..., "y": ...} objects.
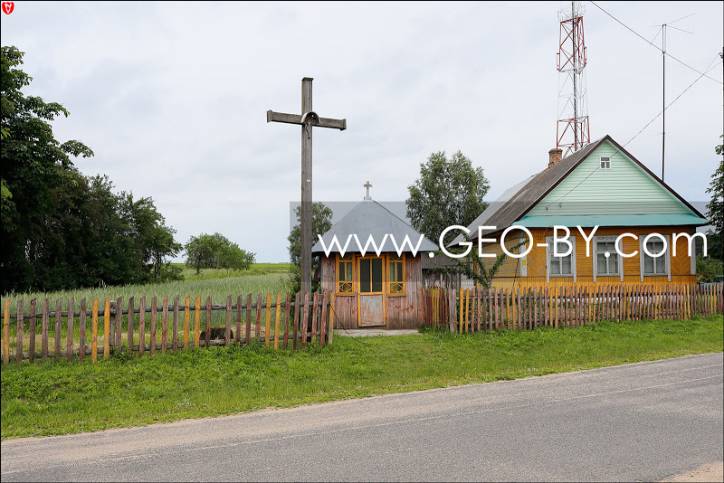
[
  {"x": 448, "y": 192},
  {"x": 216, "y": 251},
  {"x": 321, "y": 223},
  {"x": 715, "y": 207},
  {"x": 61, "y": 229}
]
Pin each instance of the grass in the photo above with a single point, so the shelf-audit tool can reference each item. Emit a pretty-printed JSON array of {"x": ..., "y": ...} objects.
[
  {"x": 218, "y": 283},
  {"x": 49, "y": 398}
]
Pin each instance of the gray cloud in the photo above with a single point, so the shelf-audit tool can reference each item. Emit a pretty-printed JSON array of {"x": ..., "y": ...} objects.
[{"x": 172, "y": 97}]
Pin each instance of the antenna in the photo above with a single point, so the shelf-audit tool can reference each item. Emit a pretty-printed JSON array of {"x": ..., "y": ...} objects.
[
  {"x": 664, "y": 26},
  {"x": 572, "y": 129}
]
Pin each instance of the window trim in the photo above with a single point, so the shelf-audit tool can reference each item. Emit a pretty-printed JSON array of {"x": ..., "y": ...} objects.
[
  {"x": 338, "y": 261},
  {"x": 667, "y": 259},
  {"x": 549, "y": 255},
  {"x": 393, "y": 259},
  {"x": 605, "y": 159},
  {"x": 607, "y": 239}
]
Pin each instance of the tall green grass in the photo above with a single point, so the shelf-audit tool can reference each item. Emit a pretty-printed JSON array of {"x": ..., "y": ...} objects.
[{"x": 217, "y": 287}]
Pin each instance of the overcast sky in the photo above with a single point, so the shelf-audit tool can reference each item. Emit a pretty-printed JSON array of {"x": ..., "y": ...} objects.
[{"x": 172, "y": 97}]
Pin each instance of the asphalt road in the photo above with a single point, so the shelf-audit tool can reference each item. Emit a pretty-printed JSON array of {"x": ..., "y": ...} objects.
[{"x": 635, "y": 422}]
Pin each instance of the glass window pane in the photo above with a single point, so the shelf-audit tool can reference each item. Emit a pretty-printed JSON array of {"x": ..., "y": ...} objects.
[
  {"x": 566, "y": 266},
  {"x": 601, "y": 264},
  {"x": 364, "y": 276},
  {"x": 613, "y": 263},
  {"x": 648, "y": 264},
  {"x": 376, "y": 275},
  {"x": 555, "y": 267}
]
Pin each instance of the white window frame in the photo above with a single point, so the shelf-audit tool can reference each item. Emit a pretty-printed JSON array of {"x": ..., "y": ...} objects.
[
  {"x": 608, "y": 239},
  {"x": 523, "y": 264},
  {"x": 607, "y": 160},
  {"x": 667, "y": 258},
  {"x": 549, "y": 254}
]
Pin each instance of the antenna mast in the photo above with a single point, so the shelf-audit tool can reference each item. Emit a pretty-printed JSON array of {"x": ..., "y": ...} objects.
[{"x": 572, "y": 130}]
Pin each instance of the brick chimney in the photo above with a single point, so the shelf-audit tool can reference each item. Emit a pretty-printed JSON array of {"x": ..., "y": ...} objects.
[{"x": 554, "y": 155}]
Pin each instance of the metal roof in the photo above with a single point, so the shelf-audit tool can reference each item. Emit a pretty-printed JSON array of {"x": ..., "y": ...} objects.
[
  {"x": 529, "y": 192},
  {"x": 370, "y": 218}
]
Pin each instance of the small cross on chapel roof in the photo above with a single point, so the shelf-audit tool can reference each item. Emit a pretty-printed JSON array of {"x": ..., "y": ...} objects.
[{"x": 367, "y": 186}]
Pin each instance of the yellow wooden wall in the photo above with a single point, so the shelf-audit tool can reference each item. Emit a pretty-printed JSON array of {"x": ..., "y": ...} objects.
[{"x": 510, "y": 271}]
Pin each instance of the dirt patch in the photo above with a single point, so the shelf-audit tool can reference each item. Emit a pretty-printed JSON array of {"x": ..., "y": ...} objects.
[{"x": 710, "y": 472}]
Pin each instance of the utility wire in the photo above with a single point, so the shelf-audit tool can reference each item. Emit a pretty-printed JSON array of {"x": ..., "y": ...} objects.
[
  {"x": 654, "y": 45},
  {"x": 701, "y": 75}
]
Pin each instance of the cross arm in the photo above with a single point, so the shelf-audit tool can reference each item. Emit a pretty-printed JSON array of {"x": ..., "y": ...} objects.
[{"x": 316, "y": 121}]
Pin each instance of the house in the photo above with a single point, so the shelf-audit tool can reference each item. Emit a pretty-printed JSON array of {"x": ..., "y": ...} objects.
[
  {"x": 372, "y": 290},
  {"x": 600, "y": 185}
]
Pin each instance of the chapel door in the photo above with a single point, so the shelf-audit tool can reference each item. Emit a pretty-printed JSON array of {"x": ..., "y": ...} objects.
[{"x": 371, "y": 298}]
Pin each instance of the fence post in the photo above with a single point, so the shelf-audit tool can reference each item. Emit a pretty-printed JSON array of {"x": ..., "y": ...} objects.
[
  {"x": 31, "y": 331},
  {"x": 227, "y": 321},
  {"x": 81, "y": 329},
  {"x": 197, "y": 322}
]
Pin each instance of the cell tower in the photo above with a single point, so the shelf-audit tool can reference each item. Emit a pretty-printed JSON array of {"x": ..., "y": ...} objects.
[{"x": 572, "y": 130}]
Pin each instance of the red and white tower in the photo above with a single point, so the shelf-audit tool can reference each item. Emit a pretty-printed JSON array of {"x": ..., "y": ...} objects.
[{"x": 572, "y": 130}]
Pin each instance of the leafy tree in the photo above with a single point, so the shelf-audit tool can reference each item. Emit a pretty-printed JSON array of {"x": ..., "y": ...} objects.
[
  {"x": 321, "y": 223},
  {"x": 448, "y": 192},
  {"x": 216, "y": 251},
  {"x": 715, "y": 207},
  {"x": 61, "y": 229}
]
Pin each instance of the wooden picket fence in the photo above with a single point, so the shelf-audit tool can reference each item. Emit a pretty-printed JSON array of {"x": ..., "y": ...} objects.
[
  {"x": 285, "y": 322},
  {"x": 469, "y": 310}
]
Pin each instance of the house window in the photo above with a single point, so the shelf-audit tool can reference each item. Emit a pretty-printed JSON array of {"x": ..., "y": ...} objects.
[
  {"x": 370, "y": 275},
  {"x": 344, "y": 275},
  {"x": 561, "y": 266},
  {"x": 396, "y": 270},
  {"x": 606, "y": 265},
  {"x": 653, "y": 266},
  {"x": 605, "y": 162}
]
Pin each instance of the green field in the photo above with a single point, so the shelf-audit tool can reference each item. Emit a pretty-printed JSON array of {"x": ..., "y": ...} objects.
[
  {"x": 57, "y": 397},
  {"x": 218, "y": 283}
]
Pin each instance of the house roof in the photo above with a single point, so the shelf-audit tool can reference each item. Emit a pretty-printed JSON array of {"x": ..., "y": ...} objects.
[
  {"x": 521, "y": 198},
  {"x": 370, "y": 218}
]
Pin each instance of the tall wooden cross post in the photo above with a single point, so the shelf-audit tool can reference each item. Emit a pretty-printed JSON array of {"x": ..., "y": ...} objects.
[{"x": 307, "y": 119}]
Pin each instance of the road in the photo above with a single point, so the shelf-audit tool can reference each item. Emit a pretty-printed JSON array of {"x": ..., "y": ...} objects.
[{"x": 643, "y": 421}]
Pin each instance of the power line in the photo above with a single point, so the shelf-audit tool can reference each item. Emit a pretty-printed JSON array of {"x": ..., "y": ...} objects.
[
  {"x": 701, "y": 75},
  {"x": 654, "y": 45}
]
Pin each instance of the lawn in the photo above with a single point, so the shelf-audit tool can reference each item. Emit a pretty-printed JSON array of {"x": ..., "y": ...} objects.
[
  {"x": 56, "y": 397},
  {"x": 261, "y": 277}
]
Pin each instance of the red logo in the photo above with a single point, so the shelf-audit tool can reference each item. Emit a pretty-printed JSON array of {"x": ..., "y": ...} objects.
[{"x": 8, "y": 7}]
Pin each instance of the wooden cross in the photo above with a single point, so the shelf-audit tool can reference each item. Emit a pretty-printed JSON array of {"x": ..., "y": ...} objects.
[
  {"x": 367, "y": 186},
  {"x": 307, "y": 119}
]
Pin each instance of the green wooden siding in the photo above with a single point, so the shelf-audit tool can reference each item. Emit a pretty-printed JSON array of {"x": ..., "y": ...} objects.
[{"x": 622, "y": 189}]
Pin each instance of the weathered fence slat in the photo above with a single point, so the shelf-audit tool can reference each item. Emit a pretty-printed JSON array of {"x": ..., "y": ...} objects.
[
  {"x": 154, "y": 315},
  {"x": 247, "y": 334},
  {"x": 239, "y": 309},
  {"x": 209, "y": 321},
  {"x": 106, "y": 329},
  {"x": 94, "y": 331},
  {"x": 6, "y": 331},
  {"x": 297, "y": 313},
  {"x": 227, "y": 321},
  {"x": 257, "y": 327},
  {"x": 164, "y": 324},
  {"x": 81, "y": 331},
  {"x": 267, "y": 320},
  {"x": 315, "y": 302},
  {"x": 323, "y": 321},
  {"x": 174, "y": 323},
  {"x": 287, "y": 315},
  {"x": 142, "y": 326},
  {"x": 19, "y": 322},
  {"x": 197, "y": 322},
  {"x": 277, "y": 321},
  {"x": 31, "y": 331}
]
